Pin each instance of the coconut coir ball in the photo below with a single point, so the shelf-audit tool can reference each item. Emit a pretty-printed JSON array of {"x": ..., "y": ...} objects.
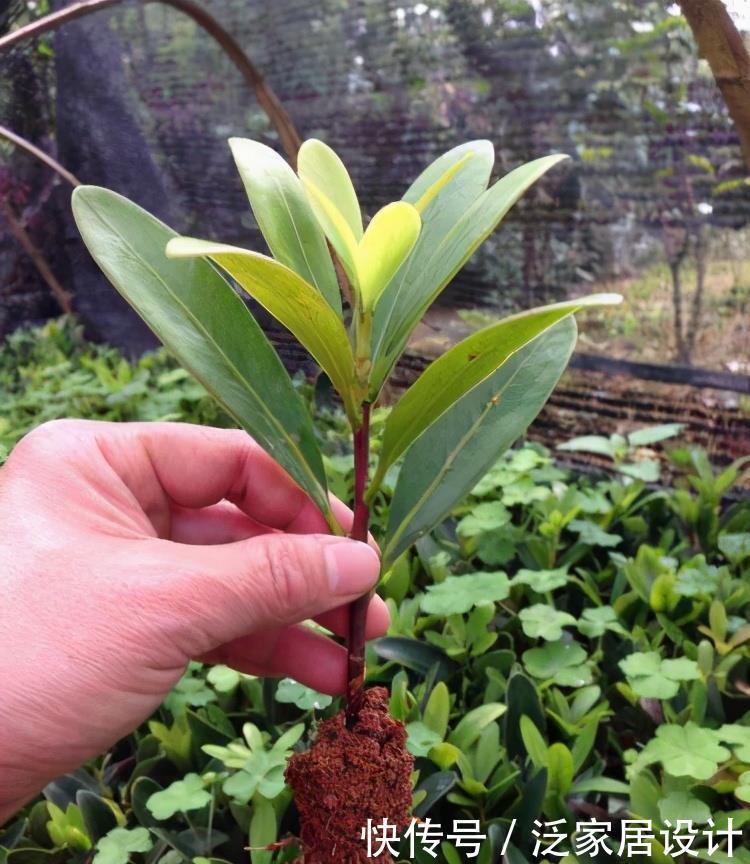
[{"x": 349, "y": 776}]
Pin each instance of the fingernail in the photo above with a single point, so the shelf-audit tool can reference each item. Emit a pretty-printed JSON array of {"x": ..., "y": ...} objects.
[{"x": 353, "y": 567}]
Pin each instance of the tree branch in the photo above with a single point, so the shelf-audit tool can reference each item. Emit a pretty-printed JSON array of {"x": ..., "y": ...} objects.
[{"x": 265, "y": 95}]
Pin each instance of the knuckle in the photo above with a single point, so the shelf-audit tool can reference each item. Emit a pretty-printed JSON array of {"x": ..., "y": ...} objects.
[{"x": 42, "y": 438}]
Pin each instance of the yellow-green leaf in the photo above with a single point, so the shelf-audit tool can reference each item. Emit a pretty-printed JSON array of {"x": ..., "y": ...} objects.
[
  {"x": 291, "y": 300},
  {"x": 429, "y": 195},
  {"x": 440, "y": 255},
  {"x": 386, "y": 243},
  {"x": 285, "y": 217},
  {"x": 320, "y": 166},
  {"x": 336, "y": 229}
]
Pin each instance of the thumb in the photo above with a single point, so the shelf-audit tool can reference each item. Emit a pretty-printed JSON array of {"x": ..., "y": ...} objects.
[{"x": 224, "y": 592}]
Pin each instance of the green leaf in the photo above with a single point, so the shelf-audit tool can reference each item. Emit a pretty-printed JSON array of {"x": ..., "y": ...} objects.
[
  {"x": 681, "y": 805},
  {"x": 447, "y": 460},
  {"x": 533, "y": 741},
  {"x": 542, "y": 580},
  {"x": 592, "y": 444},
  {"x": 305, "y": 698},
  {"x": 461, "y": 173},
  {"x": 263, "y": 830},
  {"x": 684, "y": 751},
  {"x": 291, "y": 300},
  {"x": 223, "y": 679},
  {"x": 487, "y": 516},
  {"x": 459, "y": 370},
  {"x": 318, "y": 165},
  {"x": 117, "y": 846},
  {"x": 201, "y": 320},
  {"x": 592, "y": 535},
  {"x": 597, "y": 621},
  {"x": 437, "y": 709},
  {"x": 180, "y": 796},
  {"x": 548, "y": 660},
  {"x": 541, "y": 621},
  {"x": 458, "y": 594},
  {"x": 464, "y": 223},
  {"x": 284, "y": 217},
  {"x": 431, "y": 192},
  {"x": 470, "y": 726},
  {"x": 421, "y": 739},
  {"x": 560, "y": 770},
  {"x": 653, "y": 678},
  {"x": 385, "y": 245},
  {"x": 654, "y": 434},
  {"x": 736, "y": 546},
  {"x": 739, "y": 738}
]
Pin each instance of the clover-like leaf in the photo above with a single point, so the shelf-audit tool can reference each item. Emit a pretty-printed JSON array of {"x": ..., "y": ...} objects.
[
  {"x": 543, "y": 622},
  {"x": 223, "y": 678},
  {"x": 683, "y": 751},
  {"x": 542, "y": 581},
  {"x": 458, "y": 594},
  {"x": 551, "y": 659},
  {"x": 592, "y": 535},
  {"x": 305, "y": 698},
  {"x": 487, "y": 516},
  {"x": 181, "y": 796},
  {"x": 742, "y": 791},
  {"x": 119, "y": 844},
  {"x": 597, "y": 621},
  {"x": 651, "y": 677},
  {"x": 681, "y": 805},
  {"x": 735, "y": 546},
  {"x": 738, "y": 737}
]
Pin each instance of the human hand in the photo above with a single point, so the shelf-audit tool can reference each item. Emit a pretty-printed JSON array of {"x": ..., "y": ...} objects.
[{"x": 128, "y": 550}]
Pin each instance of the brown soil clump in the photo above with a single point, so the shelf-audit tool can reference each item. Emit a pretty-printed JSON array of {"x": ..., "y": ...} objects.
[{"x": 349, "y": 776}]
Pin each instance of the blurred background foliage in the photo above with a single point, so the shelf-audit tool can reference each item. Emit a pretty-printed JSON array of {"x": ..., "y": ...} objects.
[{"x": 655, "y": 202}]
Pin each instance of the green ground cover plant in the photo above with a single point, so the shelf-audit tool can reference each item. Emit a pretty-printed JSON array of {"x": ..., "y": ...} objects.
[{"x": 562, "y": 647}]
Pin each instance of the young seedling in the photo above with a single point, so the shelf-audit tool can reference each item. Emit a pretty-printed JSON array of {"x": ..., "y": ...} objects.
[{"x": 465, "y": 409}]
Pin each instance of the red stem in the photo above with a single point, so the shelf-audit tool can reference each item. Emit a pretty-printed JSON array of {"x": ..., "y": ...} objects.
[{"x": 358, "y": 609}]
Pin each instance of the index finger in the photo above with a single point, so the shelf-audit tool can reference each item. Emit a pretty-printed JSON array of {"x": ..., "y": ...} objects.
[{"x": 197, "y": 466}]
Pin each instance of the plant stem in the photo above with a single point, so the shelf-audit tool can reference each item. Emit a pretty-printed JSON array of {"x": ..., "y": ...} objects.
[{"x": 358, "y": 609}]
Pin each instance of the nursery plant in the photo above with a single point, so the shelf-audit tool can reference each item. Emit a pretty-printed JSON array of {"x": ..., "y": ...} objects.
[{"x": 352, "y": 295}]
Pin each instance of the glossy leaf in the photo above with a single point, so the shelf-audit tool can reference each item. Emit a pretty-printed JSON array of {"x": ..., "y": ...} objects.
[
  {"x": 263, "y": 830},
  {"x": 386, "y": 243},
  {"x": 432, "y": 182},
  {"x": 463, "y": 226},
  {"x": 291, "y": 300},
  {"x": 431, "y": 193},
  {"x": 319, "y": 165},
  {"x": 208, "y": 328},
  {"x": 457, "y": 371},
  {"x": 336, "y": 229},
  {"x": 446, "y": 461},
  {"x": 284, "y": 216}
]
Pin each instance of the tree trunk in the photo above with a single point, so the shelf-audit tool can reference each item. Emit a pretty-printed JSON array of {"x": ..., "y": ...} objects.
[
  {"x": 701, "y": 263},
  {"x": 721, "y": 44}
]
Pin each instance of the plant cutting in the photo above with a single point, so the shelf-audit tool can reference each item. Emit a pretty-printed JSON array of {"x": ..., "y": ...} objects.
[{"x": 352, "y": 295}]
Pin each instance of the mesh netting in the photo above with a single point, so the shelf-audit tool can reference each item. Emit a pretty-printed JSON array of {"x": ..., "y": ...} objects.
[{"x": 139, "y": 99}]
